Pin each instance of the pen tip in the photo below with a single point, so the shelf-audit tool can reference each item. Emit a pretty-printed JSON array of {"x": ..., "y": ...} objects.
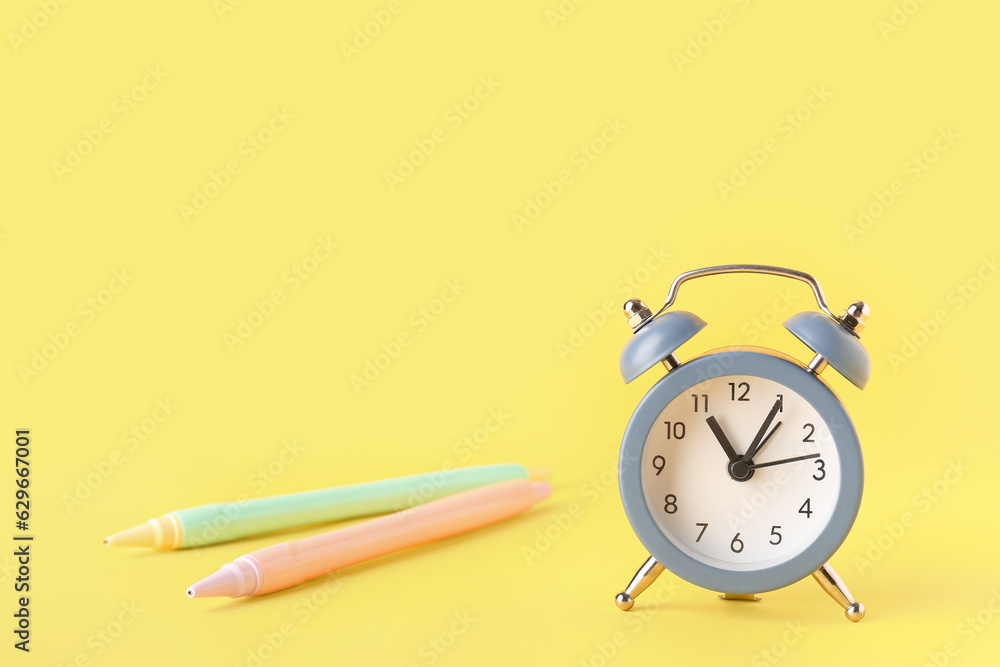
[
  {"x": 542, "y": 489},
  {"x": 227, "y": 582},
  {"x": 143, "y": 535}
]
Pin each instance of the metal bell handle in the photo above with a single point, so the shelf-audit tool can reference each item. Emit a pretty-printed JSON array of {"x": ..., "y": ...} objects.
[{"x": 745, "y": 268}]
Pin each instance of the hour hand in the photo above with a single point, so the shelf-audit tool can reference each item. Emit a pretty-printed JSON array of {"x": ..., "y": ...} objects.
[{"x": 727, "y": 446}]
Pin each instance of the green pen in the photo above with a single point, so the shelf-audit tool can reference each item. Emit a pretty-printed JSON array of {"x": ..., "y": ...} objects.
[{"x": 222, "y": 522}]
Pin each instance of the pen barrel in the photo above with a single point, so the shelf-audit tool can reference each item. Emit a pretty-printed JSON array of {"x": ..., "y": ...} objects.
[
  {"x": 293, "y": 562},
  {"x": 211, "y": 524}
]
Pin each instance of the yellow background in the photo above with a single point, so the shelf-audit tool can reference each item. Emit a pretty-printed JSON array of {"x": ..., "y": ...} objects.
[{"x": 894, "y": 78}]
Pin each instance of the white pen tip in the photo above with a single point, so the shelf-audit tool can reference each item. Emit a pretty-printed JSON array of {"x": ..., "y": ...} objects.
[
  {"x": 223, "y": 583},
  {"x": 542, "y": 489}
]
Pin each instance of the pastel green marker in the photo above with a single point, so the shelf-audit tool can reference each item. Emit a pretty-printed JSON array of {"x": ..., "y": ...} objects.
[{"x": 211, "y": 524}]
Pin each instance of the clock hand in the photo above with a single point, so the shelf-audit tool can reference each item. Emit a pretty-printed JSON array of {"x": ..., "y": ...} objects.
[
  {"x": 763, "y": 442},
  {"x": 727, "y": 447},
  {"x": 754, "y": 466},
  {"x": 739, "y": 469},
  {"x": 757, "y": 439}
]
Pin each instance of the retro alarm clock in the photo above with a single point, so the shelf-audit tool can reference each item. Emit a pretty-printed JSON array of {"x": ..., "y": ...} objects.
[{"x": 740, "y": 470}]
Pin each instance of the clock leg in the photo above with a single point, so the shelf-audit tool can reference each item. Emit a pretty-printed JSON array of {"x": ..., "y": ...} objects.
[
  {"x": 834, "y": 585},
  {"x": 646, "y": 575},
  {"x": 744, "y": 597}
]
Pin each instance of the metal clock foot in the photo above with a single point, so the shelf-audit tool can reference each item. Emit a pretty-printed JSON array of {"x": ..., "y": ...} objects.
[
  {"x": 646, "y": 575},
  {"x": 834, "y": 585},
  {"x": 745, "y": 597}
]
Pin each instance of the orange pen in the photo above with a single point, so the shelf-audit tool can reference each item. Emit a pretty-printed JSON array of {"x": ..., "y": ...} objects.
[{"x": 289, "y": 563}]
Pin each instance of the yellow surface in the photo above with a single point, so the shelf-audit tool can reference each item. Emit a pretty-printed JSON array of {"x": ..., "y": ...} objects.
[{"x": 490, "y": 331}]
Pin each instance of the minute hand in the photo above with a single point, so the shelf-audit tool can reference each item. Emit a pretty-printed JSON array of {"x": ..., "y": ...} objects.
[{"x": 757, "y": 439}]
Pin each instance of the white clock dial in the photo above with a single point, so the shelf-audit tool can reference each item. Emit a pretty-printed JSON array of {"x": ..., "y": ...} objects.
[{"x": 715, "y": 506}]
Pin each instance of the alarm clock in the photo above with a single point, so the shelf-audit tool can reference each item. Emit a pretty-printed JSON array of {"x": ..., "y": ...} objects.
[{"x": 740, "y": 471}]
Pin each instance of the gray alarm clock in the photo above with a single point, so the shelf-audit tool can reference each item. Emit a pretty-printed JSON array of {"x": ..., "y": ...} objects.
[{"x": 740, "y": 470}]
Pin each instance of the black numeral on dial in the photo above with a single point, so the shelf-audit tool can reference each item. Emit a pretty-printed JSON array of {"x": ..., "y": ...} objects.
[
  {"x": 775, "y": 533},
  {"x": 745, "y": 386},
  {"x": 737, "y": 544},
  {"x": 703, "y": 527},
  {"x": 805, "y": 509},
  {"x": 659, "y": 463},
  {"x": 821, "y": 470},
  {"x": 671, "y": 504},
  {"x": 676, "y": 429},
  {"x": 809, "y": 436}
]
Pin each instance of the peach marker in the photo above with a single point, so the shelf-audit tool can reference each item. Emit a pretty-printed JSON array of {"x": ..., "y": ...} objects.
[{"x": 289, "y": 563}]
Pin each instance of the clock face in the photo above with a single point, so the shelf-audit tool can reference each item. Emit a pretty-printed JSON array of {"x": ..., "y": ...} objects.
[{"x": 740, "y": 472}]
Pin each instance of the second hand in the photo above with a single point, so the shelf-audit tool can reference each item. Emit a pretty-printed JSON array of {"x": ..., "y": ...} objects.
[{"x": 754, "y": 466}]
